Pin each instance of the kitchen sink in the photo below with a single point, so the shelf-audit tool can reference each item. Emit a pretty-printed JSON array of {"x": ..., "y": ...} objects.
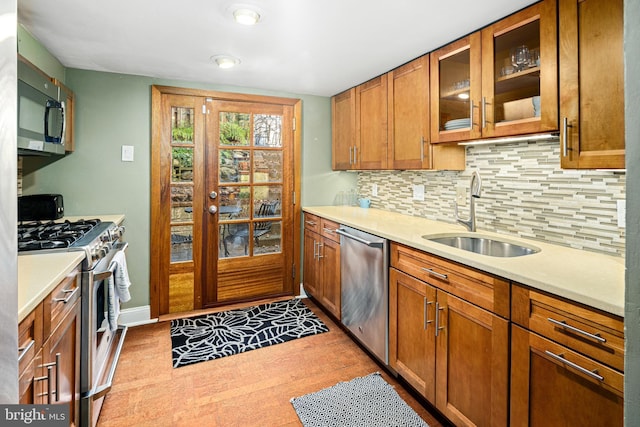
[{"x": 483, "y": 245}]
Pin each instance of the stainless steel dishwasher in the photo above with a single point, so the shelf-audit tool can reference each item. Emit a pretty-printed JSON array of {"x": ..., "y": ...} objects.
[{"x": 364, "y": 270}]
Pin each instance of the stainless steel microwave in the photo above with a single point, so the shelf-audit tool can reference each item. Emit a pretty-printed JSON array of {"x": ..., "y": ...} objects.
[{"x": 41, "y": 118}]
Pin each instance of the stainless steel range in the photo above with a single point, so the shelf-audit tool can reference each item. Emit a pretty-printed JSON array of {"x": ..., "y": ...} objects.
[{"x": 101, "y": 337}]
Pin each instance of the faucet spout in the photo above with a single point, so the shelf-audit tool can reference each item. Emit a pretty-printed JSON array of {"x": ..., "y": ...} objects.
[{"x": 474, "y": 193}]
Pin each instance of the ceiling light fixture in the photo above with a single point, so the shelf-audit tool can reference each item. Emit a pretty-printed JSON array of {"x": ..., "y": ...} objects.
[
  {"x": 225, "y": 61},
  {"x": 246, "y": 16}
]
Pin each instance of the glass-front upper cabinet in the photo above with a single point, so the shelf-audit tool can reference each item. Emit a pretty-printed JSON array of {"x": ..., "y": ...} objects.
[
  {"x": 456, "y": 79},
  {"x": 500, "y": 81},
  {"x": 519, "y": 73}
]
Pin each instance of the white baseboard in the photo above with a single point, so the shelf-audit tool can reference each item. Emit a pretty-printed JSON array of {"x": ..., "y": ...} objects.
[
  {"x": 136, "y": 316},
  {"x": 303, "y": 294}
]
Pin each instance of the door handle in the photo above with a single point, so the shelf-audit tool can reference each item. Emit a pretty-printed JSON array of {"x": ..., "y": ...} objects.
[{"x": 213, "y": 209}]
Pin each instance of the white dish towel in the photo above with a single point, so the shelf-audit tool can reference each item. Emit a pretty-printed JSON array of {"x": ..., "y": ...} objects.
[{"x": 117, "y": 288}]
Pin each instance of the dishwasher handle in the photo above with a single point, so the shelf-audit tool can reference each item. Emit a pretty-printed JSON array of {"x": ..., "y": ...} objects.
[{"x": 343, "y": 232}]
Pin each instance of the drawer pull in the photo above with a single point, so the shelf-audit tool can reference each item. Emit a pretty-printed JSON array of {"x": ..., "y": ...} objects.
[
  {"x": 560, "y": 358},
  {"x": 312, "y": 223},
  {"x": 435, "y": 273},
  {"x": 329, "y": 230},
  {"x": 563, "y": 324},
  {"x": 70, "y": 292},
  {"x": 24, "y": 350}
]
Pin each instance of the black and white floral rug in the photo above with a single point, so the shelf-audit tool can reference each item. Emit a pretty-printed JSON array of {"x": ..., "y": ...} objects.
[
  {"x": 364, "y": 401},
  {"x": 217, "y": 335}
]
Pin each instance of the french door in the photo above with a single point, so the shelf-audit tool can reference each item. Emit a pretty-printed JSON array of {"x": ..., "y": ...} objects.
[{"x": 223, "y": 199}]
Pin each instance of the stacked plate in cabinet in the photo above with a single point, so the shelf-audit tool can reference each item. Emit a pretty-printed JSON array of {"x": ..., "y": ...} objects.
[{"x": 457, "y": 124}]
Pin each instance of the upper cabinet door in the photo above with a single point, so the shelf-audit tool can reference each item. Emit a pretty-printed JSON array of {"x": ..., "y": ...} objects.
[
  {"x": 456, "y": 90},
  {"x": 409, "y": 116},
  {"x": 343, "y": 117},
  {"x": 591, "y": 84},
  {"x": 519, "y": 73},
  {"x": 370, "y": 151}
]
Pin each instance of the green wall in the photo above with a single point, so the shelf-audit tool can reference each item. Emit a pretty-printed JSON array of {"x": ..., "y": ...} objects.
[{"x": 114, "y": 110}]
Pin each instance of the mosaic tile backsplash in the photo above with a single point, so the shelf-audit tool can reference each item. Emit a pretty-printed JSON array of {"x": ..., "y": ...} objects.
[{"x": 524, "y": 192}]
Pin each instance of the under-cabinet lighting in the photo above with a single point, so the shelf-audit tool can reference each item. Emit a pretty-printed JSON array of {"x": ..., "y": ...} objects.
[{"x": 539, "y": 137}]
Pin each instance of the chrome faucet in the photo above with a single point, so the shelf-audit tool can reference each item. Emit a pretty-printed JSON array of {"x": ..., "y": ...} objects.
[{"x": 474, "y": 193}]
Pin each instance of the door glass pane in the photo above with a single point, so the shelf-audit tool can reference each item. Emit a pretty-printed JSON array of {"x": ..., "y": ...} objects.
[
  {"x": 234, "y": 128},
  {"x": 267, "y": 237},
  {"x": 233, "y": 165},
  {"x": 267, "y": 166},
  {"x": 234, "y": 240},
  {"x": 181, "y": 125},
  {"x": 181, "y": 243},
  {"x": 267, "y": 130},
  {"x": 234, "y": 202},
  {"x": 182, "y": 158},
  {"x": 517, "y": 73},
  {"x": 454, "y": 91},
  {"x": 181, "y": 203},
  {"x": 266, "y": 201}
]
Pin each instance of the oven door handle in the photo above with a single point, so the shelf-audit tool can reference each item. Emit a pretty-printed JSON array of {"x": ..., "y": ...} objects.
[
  {"x": 102, "y": 276},
  {"x": 100, "y": 391},
  {"x": 109, "y": 272}
]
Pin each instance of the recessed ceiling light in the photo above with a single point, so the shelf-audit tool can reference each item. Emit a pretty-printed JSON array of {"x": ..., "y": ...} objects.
[
  {"x": 225, "y": 61},
  {"x": 246, "y": 16}
]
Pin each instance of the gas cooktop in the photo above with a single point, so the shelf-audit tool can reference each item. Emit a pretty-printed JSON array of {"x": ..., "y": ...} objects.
[{"x": 39, "y": 235}]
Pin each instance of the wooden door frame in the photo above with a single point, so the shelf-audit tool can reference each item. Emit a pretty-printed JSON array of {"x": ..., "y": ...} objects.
[{"x": 157, "y": 93}]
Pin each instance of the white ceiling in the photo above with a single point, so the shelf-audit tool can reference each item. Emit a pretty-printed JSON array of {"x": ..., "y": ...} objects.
[{"x": 317, "y": 47}]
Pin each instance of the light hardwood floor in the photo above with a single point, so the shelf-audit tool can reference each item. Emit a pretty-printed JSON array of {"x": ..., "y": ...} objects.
[{"x": 244, "y": 390}]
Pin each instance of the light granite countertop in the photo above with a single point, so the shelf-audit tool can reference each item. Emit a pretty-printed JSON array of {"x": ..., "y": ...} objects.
[
  {"x": 40, "y": 273},
  {"x": 586, "y": 277}
]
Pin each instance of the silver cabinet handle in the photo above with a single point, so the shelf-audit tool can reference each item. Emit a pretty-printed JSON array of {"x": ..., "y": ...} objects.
[
  {"x": 471, "y": 113},
  {"x": 48, "y": 379},
  {"x": 329, "y": 230},
  {"x": 563, "y": 324},
  {"x": 435, "y": 273},
  {"x": 320, "y": 245},
  {"x": 313, "y": 223},
  {"x": 350, "y": 156},
  {"x": 422, "y": 149},
  {"x": 484, "y": 112},
  {"x": 438, "y": 310},
  {"x": 24, "y": 350},
  {"x": 564, "y": 138},
  {"x": 426, "y": 303},
  {"x": 560, "y": 358},
  {"x": 70, "y": 292},
  {"x": 50, "y": 366},
  {"x": 355, "y": 155},
  {"x": 315, "y": 249}
]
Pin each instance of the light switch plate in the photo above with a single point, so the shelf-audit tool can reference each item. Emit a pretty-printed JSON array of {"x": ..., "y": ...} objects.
[
  {"x": 418, "y": 192},
  {"x": 127, "y": 153},
  {"x": 461, "y": 193}
]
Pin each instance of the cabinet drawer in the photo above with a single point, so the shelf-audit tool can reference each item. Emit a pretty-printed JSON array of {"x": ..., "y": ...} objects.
[
  {"x": 312, "y": 222},
  {"x": 29, "y": 337},
  {"x": 480, "y": 288},
  {"x": 588, "y": 331},
  {"x": 328, "y": 229},
  {"x": 61, "y": 300}
]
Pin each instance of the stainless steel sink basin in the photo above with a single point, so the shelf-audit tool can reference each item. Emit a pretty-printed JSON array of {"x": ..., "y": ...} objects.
[{"x": 483, "y": 245}]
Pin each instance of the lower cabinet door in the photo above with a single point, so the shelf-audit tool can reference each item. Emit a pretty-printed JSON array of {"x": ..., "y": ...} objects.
[
  {"x": 311, "y": 270},
  {"x": 472, "y": 363},
  {"x": 554, "y": 386},
  {"x": 330, "y": 276},
  {"x": 61, "y": 355},
  {"x": 411, "y": 331}
]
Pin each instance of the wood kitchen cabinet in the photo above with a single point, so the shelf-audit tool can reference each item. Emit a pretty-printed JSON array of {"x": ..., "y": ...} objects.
[
  {"x": 343, "y": 131},
  {"x": 567, "y": 363},
  {"x": 500, "y": 81},
  {"x": 322, "y": 262},
  {"x": 67, "y": 96},
  {"x": 49, "y": 353},
  {"x": 591, "y": 72},
  {"x": 448, "y": 348},
  {"x": 360, "y": 126},
  {"x": 408, "y": 131}
]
